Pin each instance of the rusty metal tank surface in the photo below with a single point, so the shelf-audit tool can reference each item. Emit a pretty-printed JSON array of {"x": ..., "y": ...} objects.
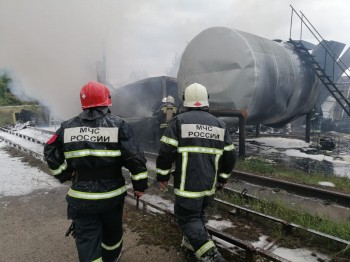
[{"x": 246, "y": 72}]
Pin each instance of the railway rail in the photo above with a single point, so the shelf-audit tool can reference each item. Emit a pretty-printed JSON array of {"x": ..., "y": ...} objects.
[
  {"x": 29, "y": 144},
  {"x": 33, "y": 146},
  {"x": 298, "y": 189},
  {"x": 251, "y": 253}
]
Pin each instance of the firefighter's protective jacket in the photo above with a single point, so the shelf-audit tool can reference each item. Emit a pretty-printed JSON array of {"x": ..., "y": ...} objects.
[
  {"x": 91, "y": 149},
  {"x": 165, "y": 113},
  {"x": 203, "y": 152}
]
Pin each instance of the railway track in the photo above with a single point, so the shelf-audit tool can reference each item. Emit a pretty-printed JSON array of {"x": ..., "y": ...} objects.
[
  {"x": 41, "y": 136},
  {"x": 236, "y": 210},
  {"x": 250, "y": 253},
  {"x": 294, "y": 188},
  {"x": 32, "y": 140}
]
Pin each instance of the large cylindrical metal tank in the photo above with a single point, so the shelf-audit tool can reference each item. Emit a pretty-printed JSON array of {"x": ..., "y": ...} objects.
[{"x": 241, "y": 71}]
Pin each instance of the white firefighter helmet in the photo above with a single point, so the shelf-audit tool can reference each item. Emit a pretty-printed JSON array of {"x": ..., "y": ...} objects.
[
  {"x": 164, "y": 99},
  {"x": 170, "y": 99},
  {"x": 195, "y": 95}
]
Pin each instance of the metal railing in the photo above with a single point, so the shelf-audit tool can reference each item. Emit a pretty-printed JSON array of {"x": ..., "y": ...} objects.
[{"x": 336, "y": 61}]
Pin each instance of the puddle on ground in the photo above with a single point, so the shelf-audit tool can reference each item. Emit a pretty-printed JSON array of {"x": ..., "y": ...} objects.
[
  {"x": 295, "y": 255},
  {"x": 301, "y": 155}
]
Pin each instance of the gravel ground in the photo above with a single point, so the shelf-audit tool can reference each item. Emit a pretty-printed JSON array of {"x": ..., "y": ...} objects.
[{"x": 33, "y": 228}]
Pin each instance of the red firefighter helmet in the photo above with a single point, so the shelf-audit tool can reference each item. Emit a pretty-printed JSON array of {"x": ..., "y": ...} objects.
[{"x": 95, "y": 94}]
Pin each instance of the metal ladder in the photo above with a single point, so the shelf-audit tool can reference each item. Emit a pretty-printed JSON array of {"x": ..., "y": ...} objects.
[{"x": 304, "y": 53}]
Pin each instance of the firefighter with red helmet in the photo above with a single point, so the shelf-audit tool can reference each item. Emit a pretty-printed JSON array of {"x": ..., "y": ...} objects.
[
  {"x": 204, "y": 156},
  {"x": 91, "y": 149}
]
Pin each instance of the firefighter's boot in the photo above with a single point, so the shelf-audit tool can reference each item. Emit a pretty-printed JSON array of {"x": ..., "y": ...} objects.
[{"x": 212, "y": 255}]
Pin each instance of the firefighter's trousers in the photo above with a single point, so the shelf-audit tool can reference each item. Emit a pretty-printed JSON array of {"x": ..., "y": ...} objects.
[
  {"x": 99, "y": 237},
  {"x": 190, "y": 214}
]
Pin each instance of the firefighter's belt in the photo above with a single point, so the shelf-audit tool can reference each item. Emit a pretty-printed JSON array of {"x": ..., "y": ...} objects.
[{"x": 98, "y": 173}]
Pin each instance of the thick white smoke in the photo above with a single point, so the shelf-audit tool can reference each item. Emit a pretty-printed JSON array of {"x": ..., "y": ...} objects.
[{"x": 50, "y": 48}]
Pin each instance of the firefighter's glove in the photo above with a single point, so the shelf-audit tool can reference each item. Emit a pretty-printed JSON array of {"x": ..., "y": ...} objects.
[
  {"x": 163, "y": 186},
  {"x": 138, "y": 193},
  {"x": 71, "y": 230},
  {"x": 220, "y": 186}
]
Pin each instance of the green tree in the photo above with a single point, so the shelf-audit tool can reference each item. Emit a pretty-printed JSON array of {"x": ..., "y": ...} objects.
[{"x": 6, "y": 97}]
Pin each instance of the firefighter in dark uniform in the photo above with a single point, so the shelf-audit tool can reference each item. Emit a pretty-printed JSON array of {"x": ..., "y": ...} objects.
[
  {"x": 91, "y": 149},
  {"x": 166, "y": 112},
  {"x": 204, "y": 156}
]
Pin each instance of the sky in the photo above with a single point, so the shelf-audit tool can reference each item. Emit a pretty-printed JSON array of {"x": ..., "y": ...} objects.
[{"x": 50, "y": 47}]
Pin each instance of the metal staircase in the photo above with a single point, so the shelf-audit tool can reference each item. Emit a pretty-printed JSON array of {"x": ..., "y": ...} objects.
[{"x": 328, "y": 81}]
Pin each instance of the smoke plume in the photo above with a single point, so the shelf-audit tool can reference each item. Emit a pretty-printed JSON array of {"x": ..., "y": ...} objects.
[{"x": 50, "y": 48}]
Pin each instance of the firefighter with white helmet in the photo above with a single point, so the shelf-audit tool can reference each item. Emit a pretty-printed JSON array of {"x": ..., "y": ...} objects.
[
  {"x": 170, "y": 100},
  {"x": 91, "y": 149},
  {"x": 196, "y": 96},
  {"x": 204, "y": 156},
  {"x": 163, "y": 114},
  {"x": 167, "y": 112}
]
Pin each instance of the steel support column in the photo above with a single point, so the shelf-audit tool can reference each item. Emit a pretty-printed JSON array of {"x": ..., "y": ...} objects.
[
  {"x": 307, "y": 127},
  {"x": 242, "y": 115}
]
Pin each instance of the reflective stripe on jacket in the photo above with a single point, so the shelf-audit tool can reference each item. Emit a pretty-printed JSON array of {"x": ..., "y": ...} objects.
[
  {"x": 105, "y": 143},
  {"x": 202, "y": 150}
]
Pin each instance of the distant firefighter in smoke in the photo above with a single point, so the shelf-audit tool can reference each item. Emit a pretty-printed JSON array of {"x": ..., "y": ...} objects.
[
  {"x": 166, "y": 112},
  {"x": 91, "y": 149},
  {"x": 204, "y": 156}
]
